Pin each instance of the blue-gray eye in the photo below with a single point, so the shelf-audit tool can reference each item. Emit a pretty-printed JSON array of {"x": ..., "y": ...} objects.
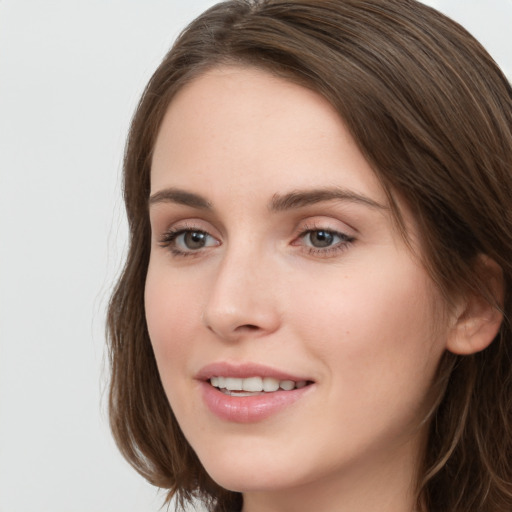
[
  {"x": 321, "y": 238},
  {"x": 194, "y": 240}
]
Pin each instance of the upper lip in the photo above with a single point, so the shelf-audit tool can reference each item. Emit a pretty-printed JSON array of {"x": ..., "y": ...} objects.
[{"x": 245, "y": 370}]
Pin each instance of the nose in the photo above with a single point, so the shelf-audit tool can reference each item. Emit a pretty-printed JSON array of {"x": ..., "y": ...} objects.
[{"x": 243, "y": 301}]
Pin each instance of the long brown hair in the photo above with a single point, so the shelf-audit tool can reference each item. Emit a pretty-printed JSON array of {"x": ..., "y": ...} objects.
[{"x": 432, "y": 113}]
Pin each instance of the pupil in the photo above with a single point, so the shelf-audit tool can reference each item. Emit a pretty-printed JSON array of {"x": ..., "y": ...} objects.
[
  {"x": 195, "y": 239},
  {"x": 321, "y": 238}
]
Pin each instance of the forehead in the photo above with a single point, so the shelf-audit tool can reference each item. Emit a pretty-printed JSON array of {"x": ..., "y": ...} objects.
[{"x": 239, "y": 124}]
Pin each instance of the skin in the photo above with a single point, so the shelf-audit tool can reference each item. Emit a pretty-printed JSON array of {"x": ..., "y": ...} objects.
[{"x": 357, "y": 317}]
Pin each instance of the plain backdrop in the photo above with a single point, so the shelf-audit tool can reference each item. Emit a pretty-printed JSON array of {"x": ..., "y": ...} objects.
[{"x": 71, "y": 73}]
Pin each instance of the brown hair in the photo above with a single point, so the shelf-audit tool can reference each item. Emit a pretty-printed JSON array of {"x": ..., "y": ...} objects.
[{"x": 432, "y": 113}]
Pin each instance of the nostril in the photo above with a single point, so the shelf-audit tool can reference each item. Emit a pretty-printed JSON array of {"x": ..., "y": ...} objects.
[{"x": 248, "y": 327}]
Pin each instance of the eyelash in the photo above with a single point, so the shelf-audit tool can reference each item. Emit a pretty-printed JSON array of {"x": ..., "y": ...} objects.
[
  {"x": 168, "y": 240},
  {"x": 342, "y": 245}
]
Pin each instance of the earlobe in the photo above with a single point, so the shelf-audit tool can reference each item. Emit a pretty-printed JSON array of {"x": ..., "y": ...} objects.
[{"x": 479, "y": 320}]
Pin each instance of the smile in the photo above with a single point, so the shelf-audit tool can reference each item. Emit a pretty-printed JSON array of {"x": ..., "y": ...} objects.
[
  {"x": 249, "y": 392},
  {"x": 250, "y": 386}
]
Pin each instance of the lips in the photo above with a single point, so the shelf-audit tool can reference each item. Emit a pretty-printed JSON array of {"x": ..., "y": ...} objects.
[
  {"x": 254, "y": 384},
  {"x": 245, "y": 370},
  {"x": 249, "y": 393}
]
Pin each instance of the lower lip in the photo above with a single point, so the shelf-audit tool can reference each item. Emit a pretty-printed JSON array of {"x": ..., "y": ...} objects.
[{"x": 249, "y": 409}]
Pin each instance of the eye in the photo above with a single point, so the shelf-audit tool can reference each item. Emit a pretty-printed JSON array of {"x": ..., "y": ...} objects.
[
  {"x": 323, "y": 242},
  {"x": 193, "y": 240},
  {"x": 321, "y": 238},
  {"x": 183, "y": 242}
]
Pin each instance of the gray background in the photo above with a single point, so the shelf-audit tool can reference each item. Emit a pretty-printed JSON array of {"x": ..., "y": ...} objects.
[{"x": 71, "y": 73}]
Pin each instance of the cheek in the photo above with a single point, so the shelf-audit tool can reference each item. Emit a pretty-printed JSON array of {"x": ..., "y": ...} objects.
[
  {"x": 377, "y": 331},
  {"x": 172, "y": 311}
]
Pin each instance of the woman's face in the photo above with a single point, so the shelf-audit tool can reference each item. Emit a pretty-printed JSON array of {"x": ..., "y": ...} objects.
[{"x": 275, "y": 263}]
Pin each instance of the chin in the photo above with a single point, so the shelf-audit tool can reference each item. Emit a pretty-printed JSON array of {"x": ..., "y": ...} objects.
[
  {"x": 251, "y": 479},
  {"x": 242, "y": 471}
]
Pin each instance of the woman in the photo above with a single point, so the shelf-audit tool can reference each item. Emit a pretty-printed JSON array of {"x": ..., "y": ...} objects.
[{"x": 314, "y": 312}]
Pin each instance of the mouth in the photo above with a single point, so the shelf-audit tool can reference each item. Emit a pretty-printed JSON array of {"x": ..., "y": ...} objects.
[
  {"x": 250, "y": 392},
  {"x": 254, "y": 386}
]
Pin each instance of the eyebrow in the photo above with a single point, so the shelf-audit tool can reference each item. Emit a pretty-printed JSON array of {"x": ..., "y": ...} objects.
[
  {"x": 178, "y": 196},
  {"x": 300, "y": 199},
  {"x": 279, "y": 203}
]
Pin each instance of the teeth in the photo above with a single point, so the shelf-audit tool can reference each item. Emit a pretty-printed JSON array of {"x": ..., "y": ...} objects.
[
  {"x": 255, "y": 384},
  {"x": 251, "y": 384},
  {"x": 287, "y": 385},
  {"x": 270, "y": 384},
  {"x": 233, "y": 384}
]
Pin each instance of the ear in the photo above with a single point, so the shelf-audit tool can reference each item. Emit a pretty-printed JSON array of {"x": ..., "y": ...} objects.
[{"x": 479, "y": 318}]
